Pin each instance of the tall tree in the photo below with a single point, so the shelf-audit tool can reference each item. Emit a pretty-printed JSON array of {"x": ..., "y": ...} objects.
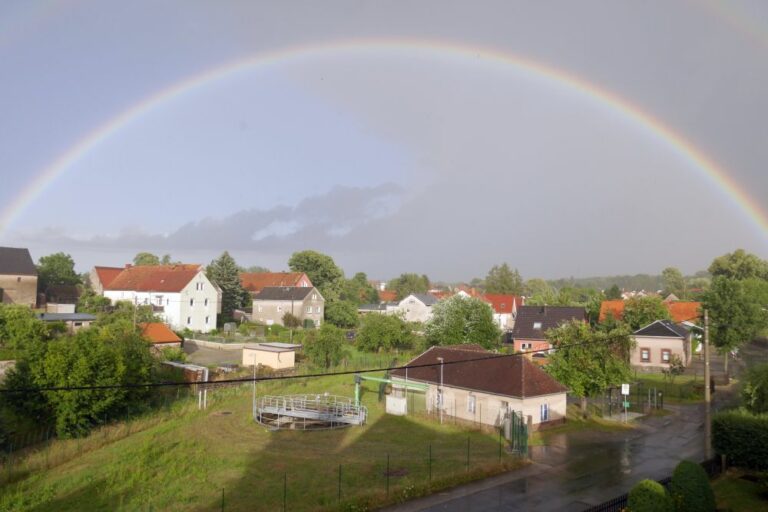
[
  {"x": 56, "y": 269},
  {"x": 613, "y": 293},
  {"x": 359, "y": 291},
  {"x": 325, "y": 346},
  {"x": 341, "y": 314},
  {"x": 674, "y": 282},
  {"x": 589, "y": 361},
  {"x": 502, "y": 279},
  {"x": 739, "y": 265},
  {"x": 641, "y": 311},
  {"x": 409, "y": 283},
  {"x": 384, "y": 332},
  {"x": 321, "y": 270},
  {"x": 460, "y": 319},
  {"x": 224, "y": 272},
  {"x": 19, "y": 327},
  {"x": 146, "y": 258}
]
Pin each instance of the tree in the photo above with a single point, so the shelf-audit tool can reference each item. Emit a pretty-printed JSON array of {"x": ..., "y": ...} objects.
[
  {"x": 675, "y": 368},
  {"x": 321, "y": 270},
  {"x": 754, "y": 392},
  {"x": 674, "y": 282},
  {"x": 588, "y": 361},
  {"x": 341, "y": 314},
  {"x": 19, "y": 328},
  {"x": 56, "y": 269},
  {"x": 256, "y": 269},
  {"x": 359, "y": 291},
  {"x": 690, "y": 489},
  {"x": 649, "y": 496},
  {"x": 641, "y": 311},
  {"x": 146, "y": 258},
  {"x": 90, "y": 302},
  {"x": 383, "y": 332},
  {"x": 539, "y": 292},
  {"x": 291, "y": 321},
  {"x": 460, "y": 319},
  {"x": 502, "y": 279},
  {"x": 325, "y": 346},
  {"x": 409, "y": 283},
  {"x": 739, "y": 265},
  {"x": 224, "y": 272},
  {"x": 613, "y": 293}
]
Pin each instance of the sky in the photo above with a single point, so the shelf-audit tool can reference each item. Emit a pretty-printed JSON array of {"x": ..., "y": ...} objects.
[{"x": 434, "y": 137}]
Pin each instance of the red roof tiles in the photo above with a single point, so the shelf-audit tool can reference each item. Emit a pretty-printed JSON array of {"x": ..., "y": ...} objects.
[
  {"x": 107, "y": 274},
  {"x": 503, "y": 303},
  {"x": 159, "y": 333},
  {"x": 256, "y": 281},
  {"x": 387, "y": 296},
  {"x": 681, "y": 311},
  {"x": 155, "y": 278}
]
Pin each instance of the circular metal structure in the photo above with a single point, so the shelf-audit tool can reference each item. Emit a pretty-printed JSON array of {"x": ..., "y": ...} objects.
[{"x": 308, "y": 412}]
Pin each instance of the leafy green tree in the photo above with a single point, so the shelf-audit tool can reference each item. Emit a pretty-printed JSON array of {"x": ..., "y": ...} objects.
[
  {"x": 674, "y": 282},
  {"x": 384, "y": 332},
  {"x": 56, "y": 269},
  {"x": 224, "y": 272},
  {"x": 589, "y": 361},
  {"x": 324, "y": 347},
  {"x": 359, "y": 291},
  {"x": 19, "y": 327},
  {"x": 125, "y": 311},
  {"x": 341, "y": 314},
  {"x": 613, "y": 293},
  {"x": 502, "y": 279},
  {"x": 291, "y": 321},
  {"x": 641, "y": 311},
  {"x": 649, "y": 496},
  {"x": 146, "y": 258},
  {"x": 675, "y": 368},
  {"x": 739, "y": 265},
  {"x": 90, "y": 302},
  {"x": 460, "y": 319},
  {"x": 754, "y": 391},
  {"x": 409, "y": 283},
  {"x": 321, "y": 270},
  {"x": 690, "y": 489},
  {"x": 539, "y": 292},
  {"x": 256, "y": 269}
]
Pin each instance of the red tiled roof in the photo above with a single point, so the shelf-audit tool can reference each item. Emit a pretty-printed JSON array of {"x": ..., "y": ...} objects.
[
  {"x": 679, "y": 311},
  {"x": 514, "y": 376},
  {"x": 158, "y": 332},
  {"x": 107, "y": 274},
  {"x": 502, "y": 303},
  {"x": 155, "y": 278},
  {"x": 387, "y": 296},
  {"x": 442, "y": 294},
  {"x": 255, "y": 281}
]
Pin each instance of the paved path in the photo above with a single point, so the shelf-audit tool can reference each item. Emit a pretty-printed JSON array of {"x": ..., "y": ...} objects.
[{"x": 581, "y": 469}]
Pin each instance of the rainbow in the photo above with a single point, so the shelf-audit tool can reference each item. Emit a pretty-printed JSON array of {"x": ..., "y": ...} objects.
[{"x": 706, "y": 166}]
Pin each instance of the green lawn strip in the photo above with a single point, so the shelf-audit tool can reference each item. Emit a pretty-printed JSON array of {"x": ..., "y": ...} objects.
[
  {"x": 185, "y": 461},
  {"x": 576, "y": 423},
  {"x": 681, "y": 391},
  {"x": 738, "y": 495}
]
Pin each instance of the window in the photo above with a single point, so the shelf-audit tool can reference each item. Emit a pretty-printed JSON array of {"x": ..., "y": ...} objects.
[
  {"x": 317, "y": 309},
  {"x": 205, "y": 302},
  {"x": 146, "y": 300},
  {"x": 309, "y": 309},
  {"x": 544, "y": 412},
  {"x": 471, "y": 402},
  {"x": 314, "y": 296},
  {"x": 279, "y": 309},
  {"x": 665, "y": 354},
  {"x": 167, "y": 301},
  {"x": 191, "y": 302},
  {"x": 645, "y": 355},
  {"x": 78, "y": 324},
  {"x": 189, "y": 320},
  {"x": 259, "y": 308},
  {"x": 18, "y": 279},
  {"x": 537, "y": 325},
  {"x": 206, "y": 320}
]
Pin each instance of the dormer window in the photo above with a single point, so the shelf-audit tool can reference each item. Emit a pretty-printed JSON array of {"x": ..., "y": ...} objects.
[{"x": 537, "y": 325}]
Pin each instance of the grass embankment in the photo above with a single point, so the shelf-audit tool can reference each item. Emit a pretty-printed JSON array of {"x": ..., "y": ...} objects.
[
  {"x": 182, "y": 459},
  {"x": 736, "y": 494}
]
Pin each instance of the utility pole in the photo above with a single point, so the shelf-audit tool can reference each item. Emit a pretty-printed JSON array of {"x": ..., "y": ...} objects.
[
  {"x": 707, "y": 392},
  {"x": 441, "y": 398}
]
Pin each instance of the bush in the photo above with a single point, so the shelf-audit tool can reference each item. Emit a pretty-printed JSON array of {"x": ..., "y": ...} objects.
[
  {"x": 649, "y": 496},
  {"x": 173, "y": 354},
  {"x": 742, "y": 437},
  {"x": 690, "y": 489},
  {"x": 754, "y": 392}
]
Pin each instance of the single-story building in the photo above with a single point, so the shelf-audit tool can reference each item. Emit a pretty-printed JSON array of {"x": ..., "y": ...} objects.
[
  {"x": 73, "y": 321},
  {"x": 160, "y": 335},
  {"x": 474, "y": 385},
  {"x": 658, "y": 342},
  {"x": 277, "y": 356}
]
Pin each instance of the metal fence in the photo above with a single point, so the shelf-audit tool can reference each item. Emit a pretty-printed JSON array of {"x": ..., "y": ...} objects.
[{"x": 619, "y": 503}]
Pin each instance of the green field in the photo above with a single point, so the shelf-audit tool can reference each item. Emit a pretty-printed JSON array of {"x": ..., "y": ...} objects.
[
  {"x": 184, "y": 459},
  {"x": 685, "y": 388}
]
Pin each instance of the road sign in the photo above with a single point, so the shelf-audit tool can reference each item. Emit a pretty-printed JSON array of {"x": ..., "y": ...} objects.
[
  {"x": 626, "y": 404},
  {"x": 625, "y": 389}
]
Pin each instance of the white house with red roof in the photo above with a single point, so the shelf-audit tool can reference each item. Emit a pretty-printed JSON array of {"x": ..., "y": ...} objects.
[
  {"x": 181, "y": 294},
  {"x": 504, "y": 309}
]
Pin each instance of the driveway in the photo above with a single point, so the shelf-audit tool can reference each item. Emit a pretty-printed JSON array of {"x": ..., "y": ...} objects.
[{"x": 578, "y": 470}]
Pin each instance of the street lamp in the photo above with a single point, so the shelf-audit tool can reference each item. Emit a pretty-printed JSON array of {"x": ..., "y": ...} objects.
[{"x": 440, "y": 397}]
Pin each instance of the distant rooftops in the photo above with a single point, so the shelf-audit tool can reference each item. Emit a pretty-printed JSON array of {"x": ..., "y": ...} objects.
[{"x": 533, "y": 321}]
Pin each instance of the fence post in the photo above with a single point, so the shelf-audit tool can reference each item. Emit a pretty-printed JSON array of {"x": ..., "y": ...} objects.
[
  {"x": 285, "y": 491},
  {"x": 467, "y": 453},
  {"x": 339, "y": 497},
  {"x": 387, "y": 475},
  {"x": 430, "y": 462},
  {"x": 499, "y": 445}
]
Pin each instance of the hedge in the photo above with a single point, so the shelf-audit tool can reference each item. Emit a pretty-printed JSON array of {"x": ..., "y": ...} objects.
[
  {"x": 742, "y": 437},
  {"x": 649, "y": 496},
  {"x": 690, "y": 489}
]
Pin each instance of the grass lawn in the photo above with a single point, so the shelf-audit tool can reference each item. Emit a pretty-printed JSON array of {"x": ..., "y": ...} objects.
[
  {"x": 683, "y": 390},
  {"x": 183, "y": 459},
  {"x": 575, "y": 422},
  {"x": 735, "y": 494}
]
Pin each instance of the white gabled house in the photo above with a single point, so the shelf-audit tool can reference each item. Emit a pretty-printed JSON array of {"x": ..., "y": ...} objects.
[{"x": 180, "y": 294}]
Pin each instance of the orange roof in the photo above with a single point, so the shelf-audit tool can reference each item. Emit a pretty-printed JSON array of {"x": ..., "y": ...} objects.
[
  {"x": 441, "y": 294},
  {"x": 155, "y": 278},
  {"x": 387, "y": 296},
  {"x": 107, "y": 274},
  {"x": 158, "y": 332},
  {"x": 680, "y": 311},
  {"x": 502, "y": 303},
  {"x": 255, "y": 281}
]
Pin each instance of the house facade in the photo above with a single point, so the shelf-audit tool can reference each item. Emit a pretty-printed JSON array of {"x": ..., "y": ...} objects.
[
  {"x": 18, "y": 277},
  {"x": 181, "y": 294},
  {"x": 504, "y": 309},
  {"x": 273, "y": 302},
  {"x": 417, "y": 307},
  {"x": 481, "y": 387},
  {"x": 532, "y": 323},
  {"x": 657, "y": 343}
]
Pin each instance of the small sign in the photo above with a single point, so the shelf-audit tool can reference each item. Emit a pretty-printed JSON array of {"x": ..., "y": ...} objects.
[
  {"x": 626, "y": 405},
  {"x": 625, "y": 389}
]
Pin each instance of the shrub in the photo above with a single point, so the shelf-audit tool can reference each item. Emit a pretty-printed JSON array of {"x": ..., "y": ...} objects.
[
  {"x": 742, "y": 437},
  {"x": 649, "y": 496},
  {"x": 754, "y": 392},
  {"x": 690, "y": 489},
  {"x": 291, "y": 321}
]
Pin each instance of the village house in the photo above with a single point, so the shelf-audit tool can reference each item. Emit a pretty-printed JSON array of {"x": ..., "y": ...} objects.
[
  {"x": 180, "y": 294},
  {"x": 101, "y": 277},
  {"x": 273, "y": 302},
  {"x": 533, "y": 322},
  {"x": 417, "y": 307},
  {"x": 657, "y": 343},
  {"x": 477, "y": 386},
  {"x": 504, "y": 309},
  {"x": 18, "y": 277}
]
